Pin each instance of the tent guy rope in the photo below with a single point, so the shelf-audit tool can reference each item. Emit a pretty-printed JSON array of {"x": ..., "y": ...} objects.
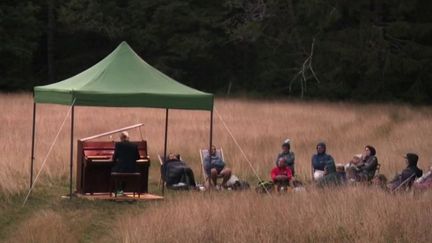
[
  {"x": 240, "y": 148},
  {"x": 49, "y": 152}
]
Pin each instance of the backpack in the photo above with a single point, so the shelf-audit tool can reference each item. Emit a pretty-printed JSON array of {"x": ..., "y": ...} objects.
[
  {"x": 264, "y": 186},
  {"x": 241, "y": 185}
]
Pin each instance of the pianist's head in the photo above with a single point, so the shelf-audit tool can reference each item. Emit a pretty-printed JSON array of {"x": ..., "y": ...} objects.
[{"x": 124, "y": 136}]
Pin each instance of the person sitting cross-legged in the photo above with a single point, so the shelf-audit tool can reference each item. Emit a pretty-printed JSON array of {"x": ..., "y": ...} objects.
[
  {"x": 215, "y": 168},
  {"x": 281, "y": 175}
]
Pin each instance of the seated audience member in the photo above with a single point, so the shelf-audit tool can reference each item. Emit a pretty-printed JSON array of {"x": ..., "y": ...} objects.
[
  {"x": 281, "y": 175},
  {"x": 411, "y": 171},
  {"x": 330, "y": 176},
  {"x": 125, "y": 156},
  {"x": 177, "y": 172},
  {"x": 380, "y": 181},
  {"x": 369, "y": 164},
  {"x": 215, "y": 168},
  {"x": 424, "y": 182},
  {"x": 353, "y": 167},
  {"x": 287, "y": 155},
  {"x": 320, "y": 160},
  {"x": 297, "y": 185},
  {"x": 341, "y": 174}
]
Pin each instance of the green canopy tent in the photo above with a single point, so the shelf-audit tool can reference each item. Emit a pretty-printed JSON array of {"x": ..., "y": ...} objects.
[{"x": 122, "y": 79}]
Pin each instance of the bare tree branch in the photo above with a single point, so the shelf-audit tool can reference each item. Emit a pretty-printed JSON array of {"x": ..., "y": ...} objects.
[{"x": 302, "y": 76}]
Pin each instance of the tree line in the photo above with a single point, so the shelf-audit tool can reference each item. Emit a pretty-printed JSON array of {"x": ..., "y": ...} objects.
[{"x": 364, "y": 50}]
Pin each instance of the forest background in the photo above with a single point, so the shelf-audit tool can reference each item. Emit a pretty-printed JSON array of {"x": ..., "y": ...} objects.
[{"x": 364, "y": 50}]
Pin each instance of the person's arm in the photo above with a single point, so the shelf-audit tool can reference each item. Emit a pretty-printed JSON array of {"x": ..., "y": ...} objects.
[
  {"x": 220, "y": 162},
  {"x": 115, "y": 155},
  {"x": 291, "y": 162},
  {"x": 291, "y": 158},
  {"x": 289, "y": 173},
  {"x": 207, "y": 165},
  {"x": 370, "y": 164},
  {"x": 406, "y": 173},
  {"x": 314, "y": 161},
  {"x": 330, "y": 160},
  {"x": 274, "y": 173},
  {"x": 291, "y": 179}
]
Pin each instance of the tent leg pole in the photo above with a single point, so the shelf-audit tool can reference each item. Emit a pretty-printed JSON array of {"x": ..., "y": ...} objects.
[
  {"x": 71, "y": 151},
  {"x": 32, "y": 144},
  {"x": 211, "y": 139},
  {"x": 165, "y": 146},
  {"x": 211, "y": 129}
]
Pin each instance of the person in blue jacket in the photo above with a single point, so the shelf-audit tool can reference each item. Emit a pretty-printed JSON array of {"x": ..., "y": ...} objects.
[
  {"x": 321, "y": 160},
  {"x": 215, "y": 168}
]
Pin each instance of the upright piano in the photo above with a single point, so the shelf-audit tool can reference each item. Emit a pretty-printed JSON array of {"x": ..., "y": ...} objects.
[{"x": 95, "y": 163}]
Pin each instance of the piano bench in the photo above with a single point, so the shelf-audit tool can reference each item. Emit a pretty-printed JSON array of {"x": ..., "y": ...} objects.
[{"x": 130, "y": 180}]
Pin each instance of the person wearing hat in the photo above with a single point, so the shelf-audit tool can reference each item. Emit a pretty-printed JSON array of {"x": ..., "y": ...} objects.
[
  {"x": 322, "y": 163},
  {"x": 287, "y": 155},
  {"x": 410, "y": 172}
]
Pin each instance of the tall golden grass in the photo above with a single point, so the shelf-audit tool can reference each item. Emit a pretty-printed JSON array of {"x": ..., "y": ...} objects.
[
  {"x": 45, "y": 226},
  {"x": 337, "y": 215},
  {"x": 352, "y": 214}
]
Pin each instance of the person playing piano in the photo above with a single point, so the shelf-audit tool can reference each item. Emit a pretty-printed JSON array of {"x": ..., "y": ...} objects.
[{"x": 125, "y": 156}]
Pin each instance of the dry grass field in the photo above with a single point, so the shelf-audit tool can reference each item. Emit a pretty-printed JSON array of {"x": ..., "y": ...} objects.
[{"x": 354, "y": 214}]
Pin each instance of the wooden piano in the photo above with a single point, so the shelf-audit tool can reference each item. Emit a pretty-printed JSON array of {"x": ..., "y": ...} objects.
[{"x": 95, "y": 162}]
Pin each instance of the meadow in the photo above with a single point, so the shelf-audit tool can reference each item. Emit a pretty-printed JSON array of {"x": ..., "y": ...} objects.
[{"x": 352, "y": 214}]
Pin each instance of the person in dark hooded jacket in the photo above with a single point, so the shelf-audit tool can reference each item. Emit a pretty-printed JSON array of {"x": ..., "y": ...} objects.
[
  {"x": 176, "y": 171},
  {"x": 369, "y": 164},
  {"x": 410, "y": 172},
  {"x": 321, "y": 160},
  {"x": 331, "y": 176}
]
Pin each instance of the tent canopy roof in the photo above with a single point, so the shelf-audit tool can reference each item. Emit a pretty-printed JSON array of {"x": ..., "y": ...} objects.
[{"x": 123, "y": 79}]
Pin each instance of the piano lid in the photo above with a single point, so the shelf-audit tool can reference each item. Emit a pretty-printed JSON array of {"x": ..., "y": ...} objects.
[{"x": 112, "y": 132}]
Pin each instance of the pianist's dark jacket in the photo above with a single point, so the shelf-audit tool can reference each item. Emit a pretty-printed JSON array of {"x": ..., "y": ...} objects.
[{"x": 125, "y": 156}]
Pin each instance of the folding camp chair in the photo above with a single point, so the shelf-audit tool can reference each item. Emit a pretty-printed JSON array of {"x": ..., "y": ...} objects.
[
  {"x": 366, "y": 178},
  {"x": 163, "y": 182},
  {"x": 203, "y": 154},
  {"x": 406, "y": 184}
]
